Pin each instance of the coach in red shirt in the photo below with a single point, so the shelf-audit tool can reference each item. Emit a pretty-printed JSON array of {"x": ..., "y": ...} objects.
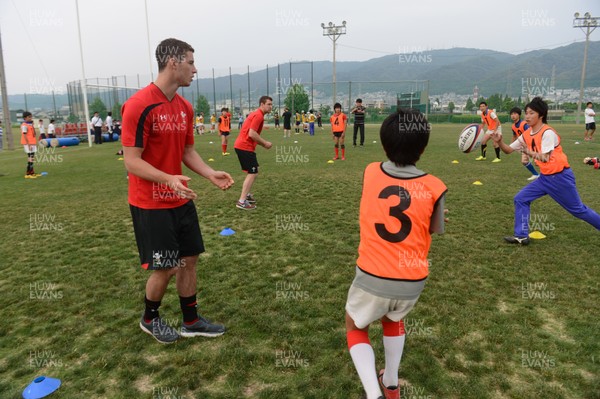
[
  {"x": 245, "y": 146},
  {"x": 158, "y": 135}
]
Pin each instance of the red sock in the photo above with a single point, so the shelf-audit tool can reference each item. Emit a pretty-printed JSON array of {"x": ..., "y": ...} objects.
[
  {"x": 336, "y": 152},
  {"x": 357, "y": 337},
  {"x": 393, "y": 329},
  {"x": 224, "y": 147}
]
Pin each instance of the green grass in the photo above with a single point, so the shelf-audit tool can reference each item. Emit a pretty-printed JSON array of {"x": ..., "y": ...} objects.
[{"x": 495, "y": 321}]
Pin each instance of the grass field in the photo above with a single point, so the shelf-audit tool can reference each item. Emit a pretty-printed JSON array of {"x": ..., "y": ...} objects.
[{"x": 495, "y": 321}]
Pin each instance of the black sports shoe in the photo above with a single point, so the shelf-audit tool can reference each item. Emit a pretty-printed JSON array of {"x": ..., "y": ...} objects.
[
  {"x": 517, "y": 240},
  {"x": 160, "y": 330},
  {"x": 250, "y": 199},
  {"x": 203, "y": 327}
]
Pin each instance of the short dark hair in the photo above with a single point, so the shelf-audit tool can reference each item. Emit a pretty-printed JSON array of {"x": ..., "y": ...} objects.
[
  {"x": 484, "y": 103},
  {"x": 51, "y": 120},
  {"x": 171, "y": 48},
  {"x": 223, "y": 109},
  {"x": 588, "y": 103},
  {"x": 538, "y": 105},
  {"x": 404, "y": 136},
  {"x": 337, "y": 105},
  {"x": 358, "y": 100},
  {"x": 264, "y": 99},
  {"x": 109, "y": 114},
  {"x": 26, "y": 114},
  {"x": 515, "y": 110}
]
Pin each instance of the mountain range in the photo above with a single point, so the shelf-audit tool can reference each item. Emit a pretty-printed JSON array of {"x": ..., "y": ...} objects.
[{"x": 455, "y": 70}]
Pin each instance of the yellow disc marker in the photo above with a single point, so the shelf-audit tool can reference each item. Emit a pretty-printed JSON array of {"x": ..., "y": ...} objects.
[
  {"x": 455, "y": 161},
  {"x": 478, "y": 183},
  {"x": 536, "y": 235}
]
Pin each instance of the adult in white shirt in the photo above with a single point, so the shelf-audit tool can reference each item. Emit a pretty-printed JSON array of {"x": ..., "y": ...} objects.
[
  {"x": 41, "y": 129},
  {"x": 51, "y": 129},
  {"x": 590, "y": 122},
  {"x": 97, "y": 124},
  {"x": 109, "y": 125}
]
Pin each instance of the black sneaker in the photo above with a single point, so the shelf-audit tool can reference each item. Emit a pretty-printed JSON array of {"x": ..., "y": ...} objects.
[
  {"x": 517, "y": 240},
  {"x": 161, "y": 331},
  {"x": 203, "y": 327},
  {"x": 250, "y": 199}
]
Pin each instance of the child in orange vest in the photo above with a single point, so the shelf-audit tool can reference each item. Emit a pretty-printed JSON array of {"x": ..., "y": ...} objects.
[{"x": 401, "y": 206}]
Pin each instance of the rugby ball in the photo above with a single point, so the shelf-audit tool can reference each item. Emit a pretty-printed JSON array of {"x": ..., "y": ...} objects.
[{"x": 470, "y": 138}]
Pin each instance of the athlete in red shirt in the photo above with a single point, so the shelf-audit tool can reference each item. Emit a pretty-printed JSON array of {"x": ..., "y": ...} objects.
[
  {"x": 245, "y": 146},
  {"x": 158, "y": 135}
]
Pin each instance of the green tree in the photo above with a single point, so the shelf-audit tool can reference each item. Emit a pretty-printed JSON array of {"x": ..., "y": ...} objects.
[
  {"x": 116, "y": 111},
  {"x": 72, "y": 118},
  {"x": 98, "y": 106},
  {"x": 508, "y": 104},
  {"x": 470, "y": 106},
  {"x": 202, "y": 105},
  {"x": 297, "y": 99},
  {"x": 451, "y": 107},
  {"x": 325, "y": 110}
]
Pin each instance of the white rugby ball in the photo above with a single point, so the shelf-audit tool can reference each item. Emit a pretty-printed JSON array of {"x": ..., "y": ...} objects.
[{"x": 470, "y": 138}]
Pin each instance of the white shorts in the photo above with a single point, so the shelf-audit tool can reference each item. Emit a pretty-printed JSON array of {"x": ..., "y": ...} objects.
[
  {"x": 365, "y": 308},
  {"x": 29, "y": 148},
  {"x": 499, "y": 130}
]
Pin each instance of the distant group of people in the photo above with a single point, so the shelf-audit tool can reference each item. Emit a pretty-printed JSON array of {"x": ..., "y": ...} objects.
[{"x": 99, "y": 125}]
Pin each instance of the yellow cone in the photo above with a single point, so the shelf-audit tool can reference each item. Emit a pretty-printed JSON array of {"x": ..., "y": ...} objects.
[
  {"x": 536, "y": 235},
  {"x": 119, "y": 159},
  {"x": 210, "y": 160},
  {"x": 478, "y": 183},
  {"x": 455, "y": 161},
  {"x": 330, "y": 161}
]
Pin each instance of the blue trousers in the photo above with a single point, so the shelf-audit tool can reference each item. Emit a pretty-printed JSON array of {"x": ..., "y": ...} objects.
[
  {"x": 311, "y": 127},
  {"x": 561, "y": 188}
]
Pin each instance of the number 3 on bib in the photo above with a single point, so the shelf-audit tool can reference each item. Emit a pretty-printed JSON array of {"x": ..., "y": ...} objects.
[{"x": 396, "y": 212}]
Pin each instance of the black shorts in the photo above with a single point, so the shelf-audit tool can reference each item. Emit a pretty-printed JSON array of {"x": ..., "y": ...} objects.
[
  {"x": 224, "y": 133},
  {"x": 164, "y": 236},
  {"x": 248, "y": 161},
  {"x": 590, "y": 126},
  {"x": 287, "y": 126},
  {"x": 338, "y": 134},
  {"x": 297, "y": 123}
]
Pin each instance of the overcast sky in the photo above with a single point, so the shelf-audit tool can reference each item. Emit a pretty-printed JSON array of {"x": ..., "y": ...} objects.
[{"x": 41, "y": 49}]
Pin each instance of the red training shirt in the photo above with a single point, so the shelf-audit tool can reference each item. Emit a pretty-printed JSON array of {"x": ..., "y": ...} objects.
[
  {"x": 255, "y": 122},
  {"x": 162, "y": 128}
]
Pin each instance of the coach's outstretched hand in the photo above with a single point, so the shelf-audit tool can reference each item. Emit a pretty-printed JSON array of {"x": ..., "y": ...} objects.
[
  {"x": 175, "y": 183},
  {"x": 221, "y": 179}
]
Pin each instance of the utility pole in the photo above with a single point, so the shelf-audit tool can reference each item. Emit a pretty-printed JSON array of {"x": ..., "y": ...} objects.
[
  {"x": 334, "y": 32},
  {"x": 588, "y": 24},
  {"x": 5, "y": 108}
]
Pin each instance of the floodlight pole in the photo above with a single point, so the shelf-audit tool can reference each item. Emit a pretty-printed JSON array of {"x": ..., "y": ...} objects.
[
  {"x": 83, "y": 81},
  {"x": 5, "y": 108},
  {"x": 334, "y": 32},
  {"x": 587, "y": 24}
]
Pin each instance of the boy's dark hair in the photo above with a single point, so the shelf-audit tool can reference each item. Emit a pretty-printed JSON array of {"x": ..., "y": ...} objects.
[
  {"x": 484, "y": 103},
  {"x": 588, "y": 103},
  {"x": 404, "y": 136},
  {"x": 171, "y": 48},
  {"x": 358, "y": 100},
  {"x": 109, "y": 114},
  {"x": 223, "y": 109},
  {"x": 337, "y": 105},
  {"x": 538, "y": 105},
  {"x": 515, "y": 110},
  {"x": 51, "y": 120},
  {"x": 26, "y": 114},
  {"x": 264, "y": 99}
]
